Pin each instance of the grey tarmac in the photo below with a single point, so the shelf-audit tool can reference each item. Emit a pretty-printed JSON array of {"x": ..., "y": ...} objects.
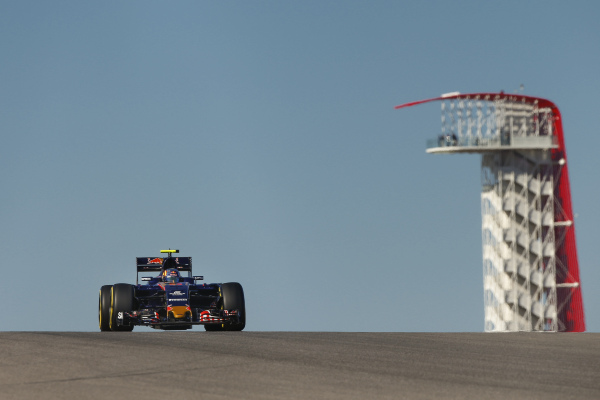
[{"x": 298, "y": 365}]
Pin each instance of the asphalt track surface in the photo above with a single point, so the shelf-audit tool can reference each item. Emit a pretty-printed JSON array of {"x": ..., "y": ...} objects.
[{"x": 298, "y": 365}]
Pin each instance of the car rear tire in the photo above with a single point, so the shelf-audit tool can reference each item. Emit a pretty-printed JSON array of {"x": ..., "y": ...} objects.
[
  {"x": 104, "y": 308},
  {"x": 122, "y": 300}
]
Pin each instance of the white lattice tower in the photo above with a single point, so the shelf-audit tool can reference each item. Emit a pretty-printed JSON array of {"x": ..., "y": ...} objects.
[{"x": 530, "y": 269}]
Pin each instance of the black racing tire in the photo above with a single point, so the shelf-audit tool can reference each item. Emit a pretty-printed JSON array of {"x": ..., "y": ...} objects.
[
  {"x": 104, "y": 308},
  {"x": 233, "y": 298},
  {"x": 122, "y": 300}
]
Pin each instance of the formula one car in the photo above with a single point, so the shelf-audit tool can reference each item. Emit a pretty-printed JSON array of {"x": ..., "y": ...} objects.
[{"x": 171, "y": 301}]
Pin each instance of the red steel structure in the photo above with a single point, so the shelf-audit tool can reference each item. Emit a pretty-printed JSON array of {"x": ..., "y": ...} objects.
[{"x": 527, "y": 129}]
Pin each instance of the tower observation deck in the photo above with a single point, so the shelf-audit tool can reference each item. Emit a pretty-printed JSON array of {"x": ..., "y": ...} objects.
[{"x": 530, "y": 268}]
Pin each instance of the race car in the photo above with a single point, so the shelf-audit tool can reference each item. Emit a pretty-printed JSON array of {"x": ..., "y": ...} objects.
[{"x": 171, "y": 301}]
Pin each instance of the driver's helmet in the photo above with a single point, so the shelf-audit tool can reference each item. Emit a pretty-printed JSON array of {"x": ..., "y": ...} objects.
[{"x": 171, "y": 275}]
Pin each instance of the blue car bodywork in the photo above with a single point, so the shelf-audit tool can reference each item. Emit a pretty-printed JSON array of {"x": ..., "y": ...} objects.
[{"x": 162, "y": 304}]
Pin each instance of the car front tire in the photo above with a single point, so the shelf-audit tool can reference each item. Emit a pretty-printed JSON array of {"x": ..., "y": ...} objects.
[
  {"x": 233, "y": 298},
  {"x": 122, "y": 300}
]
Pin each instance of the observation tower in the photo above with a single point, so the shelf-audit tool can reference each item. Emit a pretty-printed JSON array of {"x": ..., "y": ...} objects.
[{"x": 530, "y": 269}]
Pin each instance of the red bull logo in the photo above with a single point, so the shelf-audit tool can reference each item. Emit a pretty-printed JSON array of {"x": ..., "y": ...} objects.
[{"x": 155, "y": 260}]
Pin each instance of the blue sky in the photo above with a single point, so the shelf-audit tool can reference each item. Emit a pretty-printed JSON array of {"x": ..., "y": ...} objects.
[{"x": 260, "y": 138}]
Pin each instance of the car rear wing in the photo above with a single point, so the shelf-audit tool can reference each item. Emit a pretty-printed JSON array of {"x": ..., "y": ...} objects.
[{"x": 149, "y": 264}]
